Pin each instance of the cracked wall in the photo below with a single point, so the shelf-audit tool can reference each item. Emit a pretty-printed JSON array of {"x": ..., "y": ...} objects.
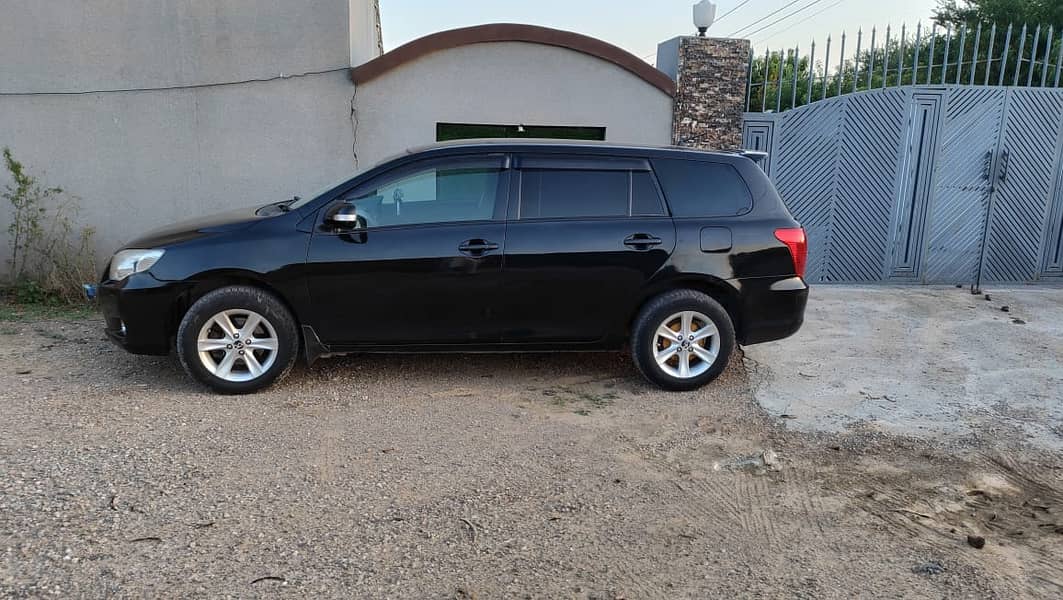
[
  {"x": 140, "y": 160},
  {"x": 167, "y": 110}
]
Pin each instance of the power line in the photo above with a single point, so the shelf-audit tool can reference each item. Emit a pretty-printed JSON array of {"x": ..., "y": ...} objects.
[
  {"x": 783, "y": 18},
  {"x": 720, "y": 18},
  {"x": 724, "y": 15},
  {"x": 808, "y": 18},
  {"x": 764, "y": 18}
]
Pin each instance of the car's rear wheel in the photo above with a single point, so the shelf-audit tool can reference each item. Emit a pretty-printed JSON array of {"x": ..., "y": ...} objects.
[
  {"x": 682, "y": 340},
  {"x": 238, "y": 340}
]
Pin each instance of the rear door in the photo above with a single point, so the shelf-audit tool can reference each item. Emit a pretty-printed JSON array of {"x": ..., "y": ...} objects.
[{"x": 584, "y": 235}]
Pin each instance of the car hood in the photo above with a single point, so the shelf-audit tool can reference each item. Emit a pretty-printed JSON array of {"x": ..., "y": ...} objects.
[{"x": 184, "y": 231}]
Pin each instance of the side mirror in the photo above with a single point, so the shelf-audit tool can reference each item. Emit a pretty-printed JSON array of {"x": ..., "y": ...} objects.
[{"x": 345, "y": 216}]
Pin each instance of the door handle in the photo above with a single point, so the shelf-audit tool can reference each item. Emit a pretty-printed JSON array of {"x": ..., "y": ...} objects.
[
  {"x": 477, "y": 248},
  {"x": 1002, "y": 175},
  {"x": 642, "y": 241}
]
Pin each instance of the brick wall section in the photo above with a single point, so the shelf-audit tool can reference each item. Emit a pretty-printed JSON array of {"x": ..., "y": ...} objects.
[{"x": 711, "y": 93}]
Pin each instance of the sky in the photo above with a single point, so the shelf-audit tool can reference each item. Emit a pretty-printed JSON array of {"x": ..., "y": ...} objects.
[{"x": 638, "y": 25}]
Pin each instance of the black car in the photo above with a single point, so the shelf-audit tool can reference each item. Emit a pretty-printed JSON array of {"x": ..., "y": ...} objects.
[{"x": 503, "y": 246}]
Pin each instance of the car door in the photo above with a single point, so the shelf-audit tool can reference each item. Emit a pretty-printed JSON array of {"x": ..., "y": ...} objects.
[
  {"x": 422, "y": 265},
  {"x": 585, "y": 235}
]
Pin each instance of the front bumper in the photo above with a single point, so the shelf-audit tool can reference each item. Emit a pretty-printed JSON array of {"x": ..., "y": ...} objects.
[
  {"x": 139, "y": 313},
  {"x": 772, "y": 308}
]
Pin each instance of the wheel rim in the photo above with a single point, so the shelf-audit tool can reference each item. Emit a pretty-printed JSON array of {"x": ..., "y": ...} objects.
[
  {"x": 237, "y": 345},
  {"x": 686, "y": 344}
]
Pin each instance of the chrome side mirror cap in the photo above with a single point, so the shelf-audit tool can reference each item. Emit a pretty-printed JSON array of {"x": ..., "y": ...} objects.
[{"x": 346, "y": 216}]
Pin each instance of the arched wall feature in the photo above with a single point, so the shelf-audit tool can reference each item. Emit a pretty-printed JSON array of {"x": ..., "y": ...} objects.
[
  {"x": 510, "y": 32},
  {"x": 505, "y": 83}
]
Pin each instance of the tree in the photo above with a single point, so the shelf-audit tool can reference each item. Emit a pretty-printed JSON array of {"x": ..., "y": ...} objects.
[{"x": 1001, "y": 12}]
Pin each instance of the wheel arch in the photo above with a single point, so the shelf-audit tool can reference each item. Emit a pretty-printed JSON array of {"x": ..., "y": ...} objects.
[
  {"x": 207, "y": 282},
  {"x": 720, "y": 290}
]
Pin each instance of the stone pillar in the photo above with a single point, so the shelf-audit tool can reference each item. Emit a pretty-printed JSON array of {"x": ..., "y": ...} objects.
[{"x": 711, "y": 76}]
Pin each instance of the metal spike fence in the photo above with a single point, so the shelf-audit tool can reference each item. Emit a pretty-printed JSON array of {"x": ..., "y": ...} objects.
[{"x": 971, "y": 54}]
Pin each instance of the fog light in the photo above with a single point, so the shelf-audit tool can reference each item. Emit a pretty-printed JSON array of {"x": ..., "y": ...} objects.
[{"x": 121, "y": 327}]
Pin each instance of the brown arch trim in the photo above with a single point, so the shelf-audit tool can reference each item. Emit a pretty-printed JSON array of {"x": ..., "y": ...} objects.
[{"x": 509, "y": 32}]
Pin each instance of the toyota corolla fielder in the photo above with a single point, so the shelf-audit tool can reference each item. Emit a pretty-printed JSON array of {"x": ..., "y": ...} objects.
[{"x": 476, "y": 246}]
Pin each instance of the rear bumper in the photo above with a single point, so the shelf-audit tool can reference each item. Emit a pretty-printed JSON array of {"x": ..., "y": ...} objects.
[
  {"x": 138, "y": 313},
  {"x": 772, "y": 308}
]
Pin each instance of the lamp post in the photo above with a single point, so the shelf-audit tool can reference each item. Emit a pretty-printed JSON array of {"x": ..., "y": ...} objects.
[{"x": 704, "y": 15}]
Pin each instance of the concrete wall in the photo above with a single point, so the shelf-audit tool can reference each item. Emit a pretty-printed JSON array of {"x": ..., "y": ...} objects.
[
  {"x": 506, "y": 83},
  {"x": 196, "y": 137},
  {"x": 78, "y": 45},
  {"x": 367, "y": 40},
  {"x": 139, "y": 160}
]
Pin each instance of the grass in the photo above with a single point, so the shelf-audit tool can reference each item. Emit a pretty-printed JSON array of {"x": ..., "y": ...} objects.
[{"x": 15, "y": 313}]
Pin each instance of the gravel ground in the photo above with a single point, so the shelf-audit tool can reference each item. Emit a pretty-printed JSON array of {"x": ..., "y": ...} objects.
[{"x": 555, "y": 476}]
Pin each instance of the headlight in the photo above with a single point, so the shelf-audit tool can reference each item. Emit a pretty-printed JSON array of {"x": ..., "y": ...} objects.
[{"x": 127, "y": 262}]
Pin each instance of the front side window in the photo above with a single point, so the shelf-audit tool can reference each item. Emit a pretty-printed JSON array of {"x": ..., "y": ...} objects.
[
  {"x": 442, "y": 193},
  {"x": 587, "y": 193}
]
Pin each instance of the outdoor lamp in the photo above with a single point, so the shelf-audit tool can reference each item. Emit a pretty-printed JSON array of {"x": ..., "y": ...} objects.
[{"x": 704, "y": 15}]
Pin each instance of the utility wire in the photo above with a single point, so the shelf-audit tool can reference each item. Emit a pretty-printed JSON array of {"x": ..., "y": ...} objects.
[
  {"x": 765, "y": 17},
  {"x": 792, "y": 25},
  {"x": 718, "y": 19},
  {"x": 783, "y": 18},
  {"x": 724, "y": 15}
]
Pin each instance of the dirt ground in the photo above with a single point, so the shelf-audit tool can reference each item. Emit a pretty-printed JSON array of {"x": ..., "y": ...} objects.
[{"x": 555, "y": 476}]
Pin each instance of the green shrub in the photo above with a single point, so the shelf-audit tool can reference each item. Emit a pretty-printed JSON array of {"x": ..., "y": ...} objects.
[{"x": 50, "y": 256}]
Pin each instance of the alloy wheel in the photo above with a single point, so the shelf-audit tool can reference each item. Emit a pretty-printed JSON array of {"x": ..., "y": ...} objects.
[
  {"x": 686, "y": 344},
  {"x": 237, "y": 345}
]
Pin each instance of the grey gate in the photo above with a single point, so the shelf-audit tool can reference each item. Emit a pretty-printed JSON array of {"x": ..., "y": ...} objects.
[{"x": 923, "y": 184}]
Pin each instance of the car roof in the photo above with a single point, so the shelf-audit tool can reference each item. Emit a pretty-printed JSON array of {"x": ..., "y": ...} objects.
[{"x": 575, "y": 146}]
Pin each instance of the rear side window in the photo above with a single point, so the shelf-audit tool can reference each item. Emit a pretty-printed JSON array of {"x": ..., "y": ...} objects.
[
  {"x": 645, "y": 199},
  {"x": 702, "y": 189},
  {"x": 583, "y": 193},
  {"x": 547, "y": 193}
]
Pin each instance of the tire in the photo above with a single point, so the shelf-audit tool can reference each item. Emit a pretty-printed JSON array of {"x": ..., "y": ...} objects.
[
  {"x": 668, "y": 311},
  {"x": 219, "y": 321}
]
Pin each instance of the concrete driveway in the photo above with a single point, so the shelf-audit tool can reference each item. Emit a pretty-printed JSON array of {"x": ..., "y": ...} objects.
[{"x": 921, "y": 361}]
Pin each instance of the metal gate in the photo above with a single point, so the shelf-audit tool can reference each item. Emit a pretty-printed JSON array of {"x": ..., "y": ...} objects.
[{"x": 924, "y": 184}]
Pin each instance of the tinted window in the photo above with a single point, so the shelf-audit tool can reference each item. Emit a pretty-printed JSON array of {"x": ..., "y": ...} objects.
[
  {"x": 645, "y": 199},
  {"x": 438, "y": 194},
  {"x": 702, "y": 189},
  {"x": 470, "y": 131},
  {"x": 548, "y": 193}
]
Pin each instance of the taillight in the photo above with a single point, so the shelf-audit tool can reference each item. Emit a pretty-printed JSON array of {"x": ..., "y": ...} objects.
[{"x": 794, "y": 238}]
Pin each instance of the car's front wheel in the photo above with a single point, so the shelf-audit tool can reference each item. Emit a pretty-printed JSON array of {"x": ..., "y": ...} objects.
[
  {"x": 238, "y": 340},
  {"x": 682, "y": 340}
]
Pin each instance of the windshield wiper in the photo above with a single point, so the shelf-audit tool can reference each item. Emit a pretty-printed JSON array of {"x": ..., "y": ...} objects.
[{"x": 286, "y": 206}]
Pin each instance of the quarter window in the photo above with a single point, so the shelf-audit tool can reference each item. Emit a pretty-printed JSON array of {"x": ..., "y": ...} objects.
[
  {"x": 445, "y": 193},
  {"x": 702, "y": 189},
  {"x": 586, "y": 193}
]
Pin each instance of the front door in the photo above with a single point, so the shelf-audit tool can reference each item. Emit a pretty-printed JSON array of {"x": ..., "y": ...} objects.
[
  {"x": 424, "y": 264},
  {"x": 585, "y": 235}
]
